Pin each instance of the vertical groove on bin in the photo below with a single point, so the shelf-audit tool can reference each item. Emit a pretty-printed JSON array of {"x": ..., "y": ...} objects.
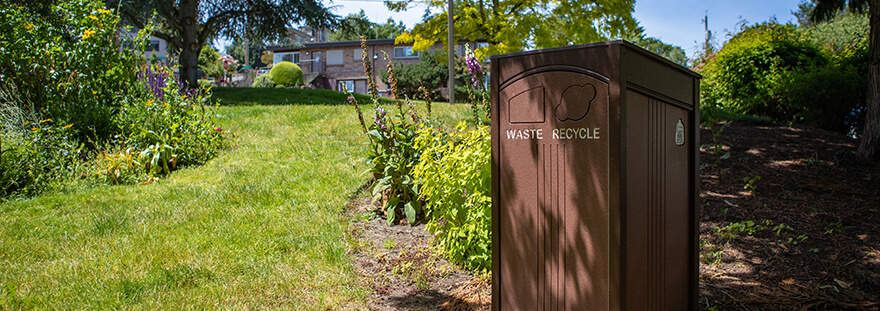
[
  {"x": 562, "y": 230},
  {"x": 661, "y": 202},
  {"x": 542, "y": 203},
  {"x": 651, "y": 192}
]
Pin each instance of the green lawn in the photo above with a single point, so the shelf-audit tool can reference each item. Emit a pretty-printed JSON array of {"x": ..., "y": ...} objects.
[
  {"x": 282, "y": 96},
  {"x": 259, "y": 227}
]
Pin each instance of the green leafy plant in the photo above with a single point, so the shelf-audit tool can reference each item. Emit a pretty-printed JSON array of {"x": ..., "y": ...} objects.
[
  {"x": 264, "y": 80},
  {"x": 119, "y": 167},
  {"x": 455, "y": 174},
  {"x": 710, "y": 253},
  {"x": 751, "y": 183},
  {"x": 389, "y": 244},
  {"x": 392, "y": 153},
  {"x": 711, "y": 121},
  {"x": 173, "y": 127}
]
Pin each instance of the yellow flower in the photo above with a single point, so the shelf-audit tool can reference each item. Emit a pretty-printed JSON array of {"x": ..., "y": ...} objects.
[
  {"x": 44, "y": 121},
  {"x": 35, "y": 129},
  {"x": 27, "y": 122},
  {"x": 88, "y": 33},
  {"x": 104, "y": 11},
  {"x": 93, "y": 17},
  {"x": 149, "y": 103},
  {"x": 67, "y": 126},
  {"x": 29, "y": 26}
]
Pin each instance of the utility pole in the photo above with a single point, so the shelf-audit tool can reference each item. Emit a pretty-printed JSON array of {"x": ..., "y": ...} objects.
[
  {"x": 246, "y": 52},
  {"x": 451, "y": 83},
  {"x": 707, "y": 47}
]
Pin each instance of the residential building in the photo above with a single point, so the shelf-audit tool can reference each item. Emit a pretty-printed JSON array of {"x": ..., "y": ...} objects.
[{"x": 332, "y": 65}]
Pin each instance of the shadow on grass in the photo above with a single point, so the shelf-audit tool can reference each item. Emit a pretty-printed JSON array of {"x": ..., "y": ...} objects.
[{"x": 249, "y": 96}]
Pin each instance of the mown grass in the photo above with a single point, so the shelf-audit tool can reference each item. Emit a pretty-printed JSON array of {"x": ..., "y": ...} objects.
[
  {"x": 259, "y": 227},
  {"x": 249, "y": 96}
]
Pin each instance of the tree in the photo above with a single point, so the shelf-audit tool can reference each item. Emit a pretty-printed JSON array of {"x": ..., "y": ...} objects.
[
  {"x": 430, "y": 72},
  {"x": 255, "y": 49},
  {"x": 515, "y": 25},
  {"x": 208, "y": 62},
  {"x": 671, "y": 52},
  {"x": 353, "y": 26},
  {"x": 190, "y": 24},
  {"x": 869, "y": 148}
]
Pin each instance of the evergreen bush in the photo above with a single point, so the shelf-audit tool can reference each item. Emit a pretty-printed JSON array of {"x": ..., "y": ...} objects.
[{"x": 286, "y": 74}]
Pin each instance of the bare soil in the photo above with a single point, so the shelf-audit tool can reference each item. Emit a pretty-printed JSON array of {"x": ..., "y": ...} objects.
[
  {"x": 789, "y": 221},
  {"x": 406, "y": 272}
]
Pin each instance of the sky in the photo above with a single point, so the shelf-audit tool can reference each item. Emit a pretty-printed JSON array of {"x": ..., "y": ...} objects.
[{"x": 676, "y": 22}]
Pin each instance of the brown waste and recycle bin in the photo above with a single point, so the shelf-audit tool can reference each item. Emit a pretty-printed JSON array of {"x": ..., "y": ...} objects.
[{"x": 595, "y": 173}]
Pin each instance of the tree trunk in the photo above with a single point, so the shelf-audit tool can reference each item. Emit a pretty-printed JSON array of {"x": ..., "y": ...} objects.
[{"x": 189, "y": 52}]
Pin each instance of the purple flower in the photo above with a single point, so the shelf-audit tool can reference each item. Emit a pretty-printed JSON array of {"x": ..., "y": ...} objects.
[
  {"x": 379, "y": 121},
  {"x": 475, "y": 69}
]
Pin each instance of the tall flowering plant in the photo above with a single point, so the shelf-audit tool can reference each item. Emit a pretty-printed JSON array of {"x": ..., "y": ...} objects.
[
  {"x": 392, "y": 153},
  {"x": 477, "y": 90}
]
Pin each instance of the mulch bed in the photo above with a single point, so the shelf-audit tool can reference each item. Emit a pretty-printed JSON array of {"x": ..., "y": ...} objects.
[
  {"x": 816, "y": 243},
  {"x": 789, "y": 221}
]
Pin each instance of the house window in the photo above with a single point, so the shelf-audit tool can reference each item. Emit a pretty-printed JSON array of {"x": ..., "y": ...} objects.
[
  {"x": 334, "y": 57},
  {"x": 154, "y": 45},
  {"x": 481, "y": 45},
  {"x": 348, "y": 84},
  {"x": 405, "y": 52},
  {"x": 357, "y": 55},
  {"x": 287, "y": 57}
]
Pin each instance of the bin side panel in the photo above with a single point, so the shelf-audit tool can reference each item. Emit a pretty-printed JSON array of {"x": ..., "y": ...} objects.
[
  {"x": 678, "y": 189},
  {"x": 657, "y": 262}
]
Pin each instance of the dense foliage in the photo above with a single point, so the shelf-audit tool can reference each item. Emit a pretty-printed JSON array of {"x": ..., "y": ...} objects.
[
  {"x": 814, "y": 74},
  {"x": 515, "y": 25},
  {"x": 209, "y": 64},
  {"x": 286, "y": 74},
  {"x": 73, "y": 87},
  {"x": 190, "y": 25},
  {"x": 355, "y": 26},
  {"x": 423, "y": 172},
  {"x": 455, "y": 175},
  {"x": 746, "y": 74},
  {"x": 431, "y": 73},
  {"x": 671, "y": 52},
  {"x": 264, "y": 80}
]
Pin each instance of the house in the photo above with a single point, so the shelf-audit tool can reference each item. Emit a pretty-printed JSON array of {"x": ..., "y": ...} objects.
[
  {"x": 157, "y": 47},
  {"x": 332, "y": 65}
]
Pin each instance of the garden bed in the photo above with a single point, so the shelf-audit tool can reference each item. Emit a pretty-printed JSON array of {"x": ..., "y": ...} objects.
[{"x": 802, "y": 236}]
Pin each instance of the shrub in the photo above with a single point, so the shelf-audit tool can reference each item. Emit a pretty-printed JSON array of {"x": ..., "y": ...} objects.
[
  {"x": 40, "y": 158},
  {"x": 264, "y": 80},
  {"x": 454, "y": 172},
  {"x": 286, "y": 74},
  {"x": 746, "y": 74},
  {"x": 431, "y": 72},
  {"x": 169, "y": 126},
  {"x": 72, "y": 85},
  {"x": 829, "y": 97}
]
